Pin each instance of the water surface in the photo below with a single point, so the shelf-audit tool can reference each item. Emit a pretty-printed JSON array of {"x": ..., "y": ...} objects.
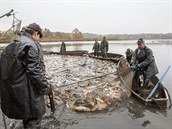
[{"x": 132, "y": 114}]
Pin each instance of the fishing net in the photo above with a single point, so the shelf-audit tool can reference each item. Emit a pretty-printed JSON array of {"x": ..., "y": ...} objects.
[{"x": 16, "y": 26}]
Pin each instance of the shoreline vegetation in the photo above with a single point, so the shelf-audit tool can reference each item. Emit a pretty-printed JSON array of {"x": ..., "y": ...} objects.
[{"x": 77, "y": 35}]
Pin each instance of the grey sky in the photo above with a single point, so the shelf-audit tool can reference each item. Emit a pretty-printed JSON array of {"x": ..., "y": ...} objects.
[{"x": 95, "y": 16}]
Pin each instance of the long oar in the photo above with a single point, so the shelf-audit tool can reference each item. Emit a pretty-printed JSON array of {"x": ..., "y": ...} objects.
[{"x": 157, "y": 84}]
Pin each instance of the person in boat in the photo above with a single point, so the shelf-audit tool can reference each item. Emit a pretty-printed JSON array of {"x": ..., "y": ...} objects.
[
  {"x": 129, "y": 54},
  {"x": 96, "y": 48},
  {"x": 104, "y": 47},
  {"x": 23, "y": 82},
  {"x": 63, "y": 47},
  {"x": 143, "y": 62}
]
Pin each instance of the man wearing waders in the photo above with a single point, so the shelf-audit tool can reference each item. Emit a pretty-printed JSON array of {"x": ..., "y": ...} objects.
[
  {"x": 96, "y": 48},
  {"x": 23, "y": 78},
  {"x": 104, "y": 47},
  {"x": 143, "y": 62}
]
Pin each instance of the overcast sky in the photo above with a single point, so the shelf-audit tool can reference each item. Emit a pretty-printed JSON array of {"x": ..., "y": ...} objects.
[{"x": 94, "y": 16}]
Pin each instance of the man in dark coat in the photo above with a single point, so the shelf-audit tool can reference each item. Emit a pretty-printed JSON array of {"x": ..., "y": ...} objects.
[
  {"x": 104, "y": 46},
  {"x": 143, "y": 62},
  {"x": 63, "y": 47},
  {"x": 23, "y": 91},
  {"x": 96, "y": 48}
]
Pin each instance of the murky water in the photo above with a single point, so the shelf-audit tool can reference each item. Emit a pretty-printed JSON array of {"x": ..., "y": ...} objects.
[{"x": 131, "y": 115}]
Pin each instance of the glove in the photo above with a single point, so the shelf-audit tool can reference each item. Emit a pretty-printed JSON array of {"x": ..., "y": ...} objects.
[
  {"x": 134, "y": 66},
  {"x": 46, "y": 91}
]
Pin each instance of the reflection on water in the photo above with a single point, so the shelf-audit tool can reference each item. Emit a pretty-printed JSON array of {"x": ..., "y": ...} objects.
[
  {"x": 135, "y": 110},
  {"x": 145, "y": 123},
  {"x": 149, "y": 115},
  {"x": 138, "y": 110},
  {"x": 69, "y": 47}
]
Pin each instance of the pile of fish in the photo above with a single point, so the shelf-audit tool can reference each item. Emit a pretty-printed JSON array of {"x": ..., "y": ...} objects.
[{"x": 83, "y": 83}]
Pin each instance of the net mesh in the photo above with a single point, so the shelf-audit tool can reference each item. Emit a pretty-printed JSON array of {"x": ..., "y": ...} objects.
[{"x": 17, "y": 26}]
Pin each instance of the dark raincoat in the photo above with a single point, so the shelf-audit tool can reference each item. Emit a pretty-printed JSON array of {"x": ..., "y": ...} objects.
[
  {"x": 23, "y": 92},
  {"x": 104, "y": 46},
  {"x": 146, "y": 61},
  {"x": 96, "y": 47},
  {"x": 63, "y": 47}
]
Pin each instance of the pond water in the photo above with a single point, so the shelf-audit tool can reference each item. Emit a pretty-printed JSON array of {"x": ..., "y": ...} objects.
[{"x": 131, "y": 115}]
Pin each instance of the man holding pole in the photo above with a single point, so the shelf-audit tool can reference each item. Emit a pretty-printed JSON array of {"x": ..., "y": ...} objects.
[{"x": 143, "y": 62}]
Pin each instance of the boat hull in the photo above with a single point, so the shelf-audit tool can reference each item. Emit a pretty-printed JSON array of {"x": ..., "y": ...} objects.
[
  {"x": 71, "y": 53},
  {"x": 110, "y": 57},
  {"x": 126, "y": 75}
]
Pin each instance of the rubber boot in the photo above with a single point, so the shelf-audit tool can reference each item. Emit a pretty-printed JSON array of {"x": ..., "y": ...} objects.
[
  {"x": 145, "y": 84},
  {"x": 136, "y": 83}
]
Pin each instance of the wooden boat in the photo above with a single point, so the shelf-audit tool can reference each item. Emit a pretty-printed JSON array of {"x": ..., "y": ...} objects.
[
  {"x": 71, "y": 53},
  {"x": 160, "y": 97},
  {"x": 110, "y": 57}
]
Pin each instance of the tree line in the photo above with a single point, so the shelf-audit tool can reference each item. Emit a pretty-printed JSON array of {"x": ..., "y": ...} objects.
[{"x": 76, "y": 35}]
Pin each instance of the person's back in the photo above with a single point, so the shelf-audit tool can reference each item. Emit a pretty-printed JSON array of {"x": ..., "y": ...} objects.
[{"x": 23, "y": 91}]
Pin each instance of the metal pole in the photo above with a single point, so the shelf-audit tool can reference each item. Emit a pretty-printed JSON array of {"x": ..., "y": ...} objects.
[
  {"x": 157, "y": 84},
  {"x": 4, "y": 120},
  {"x": 7, "y": 14}
]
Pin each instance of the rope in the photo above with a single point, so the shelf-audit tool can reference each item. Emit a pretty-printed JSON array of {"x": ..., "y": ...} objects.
[
  {"x": 7, "y": 31},
  {"x": 64, "y": 101},
  {"x": 85, "y": 80},
  {"x": 4, "y": 120}
]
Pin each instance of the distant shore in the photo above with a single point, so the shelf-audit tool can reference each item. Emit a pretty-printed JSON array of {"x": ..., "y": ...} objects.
[{"x": 151, "y": 41}]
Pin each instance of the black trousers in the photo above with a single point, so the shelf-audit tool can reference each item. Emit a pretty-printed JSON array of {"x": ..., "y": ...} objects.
[
  {"x": 32, "y": 123},
  {"x": 104, "y": 55},
  {"x": 136, "y": 86},
  {"x": 96, "y": 53}
]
